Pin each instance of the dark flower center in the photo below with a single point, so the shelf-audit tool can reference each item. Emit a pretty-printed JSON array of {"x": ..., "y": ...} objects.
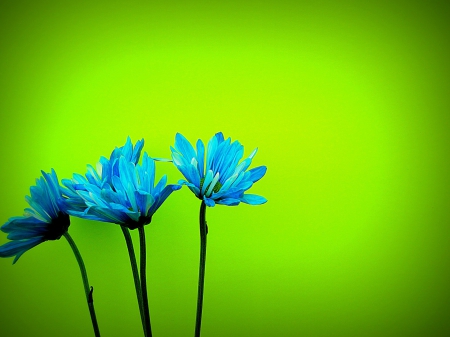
[
  {"x": 58, "y": 226},
  {"x": 216, "y": 188},
  {"x": 143, "y": 220}
]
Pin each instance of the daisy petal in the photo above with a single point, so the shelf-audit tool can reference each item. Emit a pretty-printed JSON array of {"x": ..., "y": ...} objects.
[
  {"x": 253, "y": 199},
  {"x": 209, "y": 202},
  {"x": 257, "y": 173}
]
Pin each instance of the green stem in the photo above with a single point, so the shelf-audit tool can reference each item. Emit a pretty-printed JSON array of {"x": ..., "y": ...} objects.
[
  {"x": 88, "y": 291},
  {"x": 201, "y": 274},
  {"x": 143, "y": 274},
  {"x": 137, "y": 282}
]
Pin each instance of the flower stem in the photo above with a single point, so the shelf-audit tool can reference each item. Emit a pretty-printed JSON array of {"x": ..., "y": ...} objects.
[
  {"x": 143, "y": 273},
  {"x": 88, "y": 291},
  {"x": 137, "y": 282},
  {"x": 201, "y": 274}
]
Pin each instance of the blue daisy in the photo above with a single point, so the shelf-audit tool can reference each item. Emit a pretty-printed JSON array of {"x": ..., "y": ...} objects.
[
  {"x": 220, "y": 178},
  {"x": 101, "y": 176},
  {"x": 120, "y": 191},
  {"x": 45, "y": 219}
]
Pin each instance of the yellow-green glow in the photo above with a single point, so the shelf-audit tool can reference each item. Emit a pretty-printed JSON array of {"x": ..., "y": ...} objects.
[{"x": 348, "y": 105}]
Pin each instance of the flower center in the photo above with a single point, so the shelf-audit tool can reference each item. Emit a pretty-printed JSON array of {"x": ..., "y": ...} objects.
[
  {"x": 216, "y": 188},
  {"x": 143, "y": 220},
  {"x": 58, "y": 226}
]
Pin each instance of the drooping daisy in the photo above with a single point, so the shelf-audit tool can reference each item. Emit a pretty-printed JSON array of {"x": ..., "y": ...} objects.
[{"x": 45, "y": 219}]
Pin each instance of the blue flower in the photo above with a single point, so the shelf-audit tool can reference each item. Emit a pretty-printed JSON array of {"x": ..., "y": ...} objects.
[
  {"x": 45, "y": 219},
  {"x": 102, "y": 176},
  {"x": 221, "y": 179},
  {"x": 120, "y": 191}
]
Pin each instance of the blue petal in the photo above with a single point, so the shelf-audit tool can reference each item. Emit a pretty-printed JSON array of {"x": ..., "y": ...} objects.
[
  {"x": 149, "y": 167},
  {"x": 219, "y": 137},
  {"x": 238, "y": 180},
  {"x": 149, "y": 203},
  {"x": 108, "y": 215},
  {"x": 19, "y": 247},
  {"x": 243, "y": 166},
  {"x": 213, "y": 184},
  {"x": 220, "y": 155},
  {"x": 110, "y": 196},
  {"x": 18, "y": 222},
  {"x": 193, "y": 174},
  {"x": 52, "y": 183},
  {"x": 253, "y": 153},
  {"x": 93, "y": 189},
  {"x": 39, "y": 209},
  {"x": 117, "y": 183},
  {"x": 209, "y": 202},
  {"x": 178, "y": 158},
  {"x": 144, "y": 200},
  {"x": 192, "y": 187},
  {"x": 190, "y": 173},
  {"x": 257, "y": 173},
  {"x": 253, "y": 199},
  {"x": 106, "y": 169},
  {"x": 134, "y": 216},
  {"x": 211, "y": 151},
  {"x": 159, "y": 187},
  {"x": 91, "y": 175},
  {"x": 137, "y": 151},
  {"x": 144, "y": 180},
  {"x": 229, "y": 201},
  {"x": 127, "y": 173},
  {"x": 26, "y": 233},
  {"x": 68, "y": 183},
  {"x": 232, "y": 192},
  {"x": 83, "y": 214},
  {"x": 228, "y": 161},
  {"x": 119, "y": 207},
  {"x": 131, "y": 197},
  {"x": 225, "y": 186},
  {"x": 235, "y": 156},
  {"x": 127, "y": 149},
  {"x": 184, "y": 147},
  {"x": 30, "y": 212},
  {"x": 208, "y": 178},
  {"x": 201, "y": 157},
  {"x": 98, "y": 200},
  {"x": 79, "y": 179},
  {"x": 167, "y": 160},
  {"x": 162, "y": 197},
  {"x": 42, "y": 197},
  {"x": 244, "y": 185},
  {"x": 115, "y": 166},
  {"x": 86, "y": 196}
]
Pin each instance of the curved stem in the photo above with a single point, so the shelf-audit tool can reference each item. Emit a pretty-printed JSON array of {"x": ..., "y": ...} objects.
[
  {"x": 88, "y": 291},
  {"x": 143, "y": 261},
  {"x": 201, "y": 273},
  {"x": 137, "y": 282}
]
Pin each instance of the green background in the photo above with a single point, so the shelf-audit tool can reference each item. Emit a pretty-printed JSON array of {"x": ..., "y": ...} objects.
[{"x": 348, "y": 103}]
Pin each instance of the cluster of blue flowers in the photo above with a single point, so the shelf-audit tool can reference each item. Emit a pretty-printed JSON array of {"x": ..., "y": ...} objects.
[{"x": 121, "y": 190}]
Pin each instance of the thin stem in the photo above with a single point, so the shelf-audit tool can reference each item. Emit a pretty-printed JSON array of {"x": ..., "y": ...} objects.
[
  {"x": 143, "y": 261},
  {"x": 137, "y": 282},
  {"x": 201, "y": 273},
  {"x": 88, "y": 291}
]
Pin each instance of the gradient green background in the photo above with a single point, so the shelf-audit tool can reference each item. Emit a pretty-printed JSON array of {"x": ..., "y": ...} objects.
[{"x": 348, "y": 104}]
